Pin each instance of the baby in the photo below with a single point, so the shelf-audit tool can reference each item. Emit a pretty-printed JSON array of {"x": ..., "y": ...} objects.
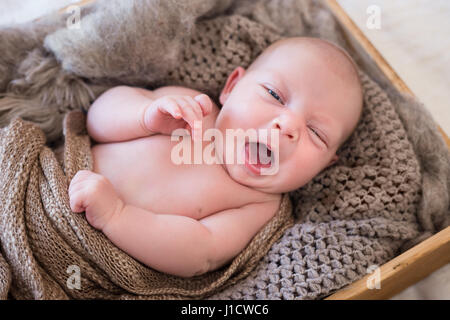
[{"x": 188, "y": 219}]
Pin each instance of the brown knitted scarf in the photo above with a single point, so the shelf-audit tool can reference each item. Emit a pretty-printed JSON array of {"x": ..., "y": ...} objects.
[
  {"x": 43, "y": 241},
  {"x": 388, "y": 190}
]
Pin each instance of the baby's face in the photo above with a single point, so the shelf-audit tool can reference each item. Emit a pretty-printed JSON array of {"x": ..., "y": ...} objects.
[{"x": 302, "y": 95}]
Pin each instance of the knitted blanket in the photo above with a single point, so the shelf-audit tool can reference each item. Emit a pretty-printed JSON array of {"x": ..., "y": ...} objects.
[
  {"x": 388, "y": 191},
  {"x": 45, "y": 246}
]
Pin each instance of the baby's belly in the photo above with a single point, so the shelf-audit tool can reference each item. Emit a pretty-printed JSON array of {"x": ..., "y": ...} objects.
[{"x": 145, "y": 176}]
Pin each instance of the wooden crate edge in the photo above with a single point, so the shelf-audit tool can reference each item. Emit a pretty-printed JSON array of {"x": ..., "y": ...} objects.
[{"x": 414, "y": 256}]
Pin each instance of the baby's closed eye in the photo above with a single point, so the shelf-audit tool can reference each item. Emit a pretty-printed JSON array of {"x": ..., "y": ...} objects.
[
  {"x": 276, "y": 96},
  {"x": 317, "y": 134}
]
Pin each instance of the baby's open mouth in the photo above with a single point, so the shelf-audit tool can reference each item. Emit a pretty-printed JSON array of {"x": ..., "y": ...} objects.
[{"x": 258, "y": 156}]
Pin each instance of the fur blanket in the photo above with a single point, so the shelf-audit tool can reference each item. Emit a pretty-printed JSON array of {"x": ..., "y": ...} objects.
[{"x": 388, "y": 190}]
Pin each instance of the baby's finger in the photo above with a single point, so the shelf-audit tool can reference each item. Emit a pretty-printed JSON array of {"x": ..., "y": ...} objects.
[
  {"x": 191, "y": 118},
  {"x": 74, "y": 188},
  {"x": 197, "y": 105},
  {"x": 205, "y": 103},
  {"x": 197, "y": 126},
  {"x": 76, "y": 202},
  {"x": 169, "y": 106},
  {"x": 185, "y": 102},
  {"x": 80, "y": 176}
]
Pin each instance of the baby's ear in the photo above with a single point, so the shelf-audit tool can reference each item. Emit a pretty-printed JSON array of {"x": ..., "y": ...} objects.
[{"x": 233, "y": 78}]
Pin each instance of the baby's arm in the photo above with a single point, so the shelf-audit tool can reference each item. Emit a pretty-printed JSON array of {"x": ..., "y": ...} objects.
[
  {"x": 183, "y": 246},
  {"x": 126, "y": 113},
  {"x": 117, "y": 115},
  {"x": 173, "y": 244}
]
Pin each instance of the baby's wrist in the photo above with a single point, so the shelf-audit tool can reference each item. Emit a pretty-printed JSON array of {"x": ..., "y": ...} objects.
[
  {"x": 144, "y": 117},
  {"x": 114, "y": 217}
]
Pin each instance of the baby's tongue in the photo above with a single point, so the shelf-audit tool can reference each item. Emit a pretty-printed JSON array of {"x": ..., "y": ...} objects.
[{"x": 263, "y": 150}]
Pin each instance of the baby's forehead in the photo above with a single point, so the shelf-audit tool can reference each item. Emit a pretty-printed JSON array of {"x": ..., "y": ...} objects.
[
  {"x": 300, "y": 49},
  {"x": 311, "y": 53}
]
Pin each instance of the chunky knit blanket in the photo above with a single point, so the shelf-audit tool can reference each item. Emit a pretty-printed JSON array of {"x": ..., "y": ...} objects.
[{"x": 388, "y": 191}]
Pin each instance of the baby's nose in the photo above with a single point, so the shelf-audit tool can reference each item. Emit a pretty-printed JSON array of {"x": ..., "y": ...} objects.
[{"x": 286, "y": 129}]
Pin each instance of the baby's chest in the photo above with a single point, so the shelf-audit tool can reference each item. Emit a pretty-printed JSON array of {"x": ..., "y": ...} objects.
[
  {"x": 190, "y": 191},
  {"x": 145, "y": 174}
]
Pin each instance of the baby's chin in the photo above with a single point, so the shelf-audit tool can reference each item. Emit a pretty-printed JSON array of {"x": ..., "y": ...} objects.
[
  {"x": 268, "y": 179},
  {"x": 242, "y": 175}
]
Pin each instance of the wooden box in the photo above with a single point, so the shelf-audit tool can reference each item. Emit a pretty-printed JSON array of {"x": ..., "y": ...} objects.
[{"x": 426, "y": 257}]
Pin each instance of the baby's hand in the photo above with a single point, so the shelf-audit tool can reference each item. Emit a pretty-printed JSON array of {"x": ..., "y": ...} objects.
[
  {"x": 176, "y": 111},
  {"x": 94, "y": 194}
]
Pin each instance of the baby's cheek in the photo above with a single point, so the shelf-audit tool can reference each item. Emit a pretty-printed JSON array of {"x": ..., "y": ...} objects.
[{"x": 300, "y": 172}]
